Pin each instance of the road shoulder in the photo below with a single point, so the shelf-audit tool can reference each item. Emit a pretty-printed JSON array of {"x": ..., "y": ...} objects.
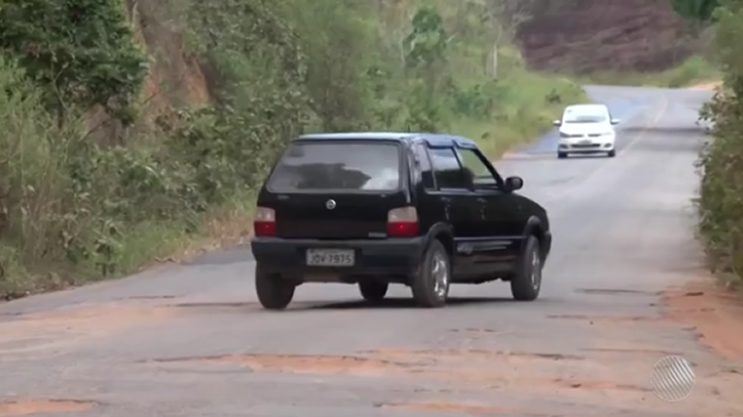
[{"x": 714, "y": 312}]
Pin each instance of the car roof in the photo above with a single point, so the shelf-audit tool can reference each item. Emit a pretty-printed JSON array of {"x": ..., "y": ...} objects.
[{"x": 433, "y": 139}]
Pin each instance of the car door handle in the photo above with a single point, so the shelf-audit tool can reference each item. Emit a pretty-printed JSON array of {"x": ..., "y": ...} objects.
[
  {"x": 481, "y": 200},
  {"x": 446, "y": 199}
]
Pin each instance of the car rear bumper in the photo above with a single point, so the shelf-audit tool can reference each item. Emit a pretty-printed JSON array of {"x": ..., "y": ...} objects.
[{"x": 373, "y": 258}]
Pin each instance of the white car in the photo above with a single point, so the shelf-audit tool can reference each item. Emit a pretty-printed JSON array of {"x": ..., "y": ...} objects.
[{"x": 586, "y": 129}]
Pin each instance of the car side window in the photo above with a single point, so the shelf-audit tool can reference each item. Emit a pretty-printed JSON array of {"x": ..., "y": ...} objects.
[
  {"x": 448, "y": 171},
  {"x": 423, "y": 164},
  {"x": 473, "y": 162}
]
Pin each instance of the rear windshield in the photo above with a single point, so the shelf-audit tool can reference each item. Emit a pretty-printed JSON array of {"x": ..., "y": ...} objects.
[
  {"x": 585, "y": 115},
  {"x": 348, "y": 166}
]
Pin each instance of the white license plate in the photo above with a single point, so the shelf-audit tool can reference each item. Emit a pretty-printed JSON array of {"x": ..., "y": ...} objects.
[
  {"x": 330, "y": 257},
  {"x": 585, "y": 142}
]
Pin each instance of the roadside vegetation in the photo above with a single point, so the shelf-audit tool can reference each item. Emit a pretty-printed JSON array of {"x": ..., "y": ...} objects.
[
  {"x": 694, "y": 70},
  {"x": 721, "y": 192},
  {"x": 132, "y": 132}
]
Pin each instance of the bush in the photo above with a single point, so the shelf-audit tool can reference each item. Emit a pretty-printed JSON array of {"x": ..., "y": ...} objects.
[
  {"x": 692, "y": 70},
  {"x": 68, "y": 207},
  {"x": 721, "y": 193}
]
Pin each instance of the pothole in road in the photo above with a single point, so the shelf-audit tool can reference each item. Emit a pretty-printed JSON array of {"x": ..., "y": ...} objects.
[
  {"x": 312, "y": 364},
  {"x": 481, "y": 368},
  {"x": 616, "y": 291},
  {"x": 605, "y": 319},
  {"x": 539, "y": 387},
  {"x": 226, "y": 305},
  {"x": 150, "y": 297},
  {"x": 634, "y": 351},
  {"x": 595, "y": 385},
  {"x": 474, "y": 331},
  {"x": 443, "y": 364},
  {"x": 13, "y": 408},
  {"x": 465, "y": 353},
  {"x": 477, "y": 409}
]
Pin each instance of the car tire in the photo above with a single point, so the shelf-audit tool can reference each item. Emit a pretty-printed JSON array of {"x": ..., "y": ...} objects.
[
  {"x": 612, "y": 153},
  {"x": 562, "y": 155},
  {"x": 430, "y": 290},
  {"x": 274, "y": 292},
  {"x": 527, "y": 278},
  {"x": 373, "y": 290}
]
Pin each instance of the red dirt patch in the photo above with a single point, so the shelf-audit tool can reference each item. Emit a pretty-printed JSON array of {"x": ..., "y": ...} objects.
[
  {"x": 29, "y": 407},
  {"x": 546, "y": 373},
  {"x": 715, "y": 313},
  {"x": 85, "y": 321}
]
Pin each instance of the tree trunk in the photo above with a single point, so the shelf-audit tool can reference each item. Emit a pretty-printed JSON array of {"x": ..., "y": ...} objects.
[{"x": 491, "y": 62}]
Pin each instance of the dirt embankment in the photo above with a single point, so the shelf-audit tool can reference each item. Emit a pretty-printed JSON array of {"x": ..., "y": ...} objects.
[
  {"x": 585, "y": 36},
  {"x": 176, "y": 76}
]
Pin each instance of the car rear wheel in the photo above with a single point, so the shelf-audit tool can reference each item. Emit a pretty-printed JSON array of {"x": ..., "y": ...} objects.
[
  {"x": 527, "y": 279},
  {"x": 373, "y": 290},
  {"x": 562, "y": 155},
  {"x": 430, "y": 284},
  {"x": 274, "y": 292}
]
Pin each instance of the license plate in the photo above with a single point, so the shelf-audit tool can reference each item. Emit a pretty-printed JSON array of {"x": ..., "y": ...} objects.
[
  {"x": 585, "y": 142},
  {"x": 330, "y": 257}
]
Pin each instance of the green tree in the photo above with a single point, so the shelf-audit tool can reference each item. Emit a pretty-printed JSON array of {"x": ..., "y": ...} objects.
[
  {"x": 426, "y": 60},
  {"x": 340, "y": 46},
  {"x": 81, "y": 51},
  {"x": 701, "y": 10},
  {"x": 426, "y": 45}
]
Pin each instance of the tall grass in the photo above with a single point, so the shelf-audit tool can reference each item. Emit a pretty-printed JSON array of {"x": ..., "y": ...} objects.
[{"x": 695, "y": 69}]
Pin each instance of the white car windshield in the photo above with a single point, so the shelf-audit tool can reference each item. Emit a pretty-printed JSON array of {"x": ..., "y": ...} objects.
[{"x": 582, "y": 116}]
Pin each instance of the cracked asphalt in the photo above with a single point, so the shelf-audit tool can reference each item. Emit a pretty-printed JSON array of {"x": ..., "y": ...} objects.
[{"x": 192, "y": 340}]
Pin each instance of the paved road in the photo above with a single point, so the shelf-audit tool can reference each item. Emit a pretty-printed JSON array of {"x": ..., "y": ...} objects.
[{"x": 191, "y": 340}]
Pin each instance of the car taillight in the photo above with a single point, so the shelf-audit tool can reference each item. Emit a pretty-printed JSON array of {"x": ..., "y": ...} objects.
[
  {"x": 264, "y": 223},
  {"x": 402, "y": 222}
]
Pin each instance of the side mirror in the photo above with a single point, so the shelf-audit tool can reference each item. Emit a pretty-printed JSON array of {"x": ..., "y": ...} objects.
[
  {"x": 557, "y": 122},
  {"x": 615, "y": 121},
  {"x": 514, "y": 183}
]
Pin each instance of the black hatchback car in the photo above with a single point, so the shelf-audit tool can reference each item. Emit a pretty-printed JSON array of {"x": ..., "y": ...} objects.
[{"x": 423, "y": 210}]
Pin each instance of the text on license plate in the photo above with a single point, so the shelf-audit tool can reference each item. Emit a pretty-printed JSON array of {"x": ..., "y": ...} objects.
[{"x": 330, "y": 257}]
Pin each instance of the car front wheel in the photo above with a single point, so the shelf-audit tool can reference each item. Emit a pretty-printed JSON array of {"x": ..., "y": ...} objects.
[
  {"x": 274, "y": 293},
  {"x": 373, "y": 290},
  {"x": 612, "y": 153},
  {"x": 430, "y": 284},
  {"x": 562, "y": 155},
  {"x": 527, "y": 279}
]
